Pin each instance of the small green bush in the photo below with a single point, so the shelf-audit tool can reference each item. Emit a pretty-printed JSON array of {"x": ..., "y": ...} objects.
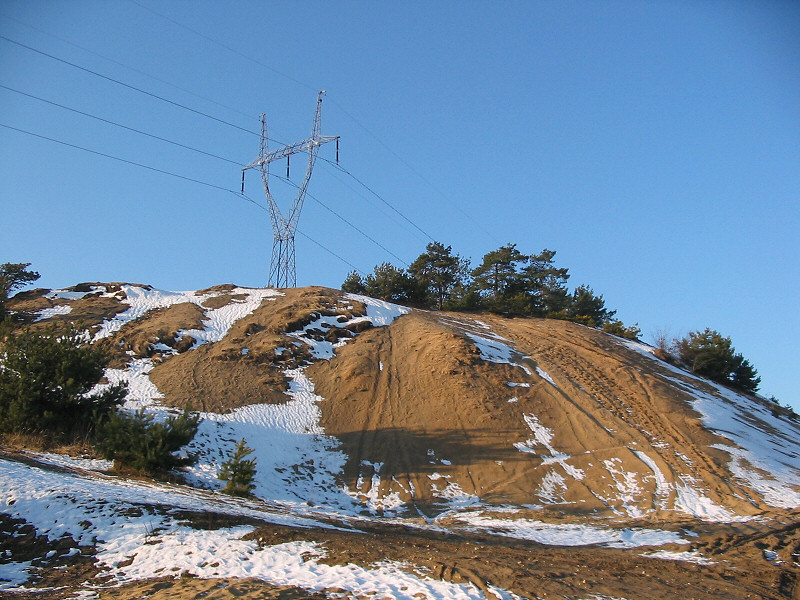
[
  {"x": 135, "y": 441},
  {"x": 239, "y": 471},
  {"x": 619, "y": 329},
  {"x": 712, "y": 355}
]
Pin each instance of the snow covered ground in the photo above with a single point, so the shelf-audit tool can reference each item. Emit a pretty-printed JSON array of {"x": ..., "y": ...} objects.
[
  {"x": 139, "y": 535},
  {"x": 764, "y": 448}
]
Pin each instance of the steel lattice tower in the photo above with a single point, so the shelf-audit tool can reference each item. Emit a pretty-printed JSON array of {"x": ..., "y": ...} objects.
[{"x": 282, "y": 270}]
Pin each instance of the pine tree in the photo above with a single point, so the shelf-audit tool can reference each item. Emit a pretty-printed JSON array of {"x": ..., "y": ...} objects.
[
  {"x": 391, "y": 284},
  {"x": 45, "y": 380},
  {"x": 587, "y": 308},
  {"x": 546, "y": 284},
  {"x": 710, "y": 354},
  {"x": 497, "y": 277},
  {"x": 239, "y": 471},
  {"x": 353, "y": 283},
  {"x": 13, "y": 276},
  {"x": 439, "y": 272}
]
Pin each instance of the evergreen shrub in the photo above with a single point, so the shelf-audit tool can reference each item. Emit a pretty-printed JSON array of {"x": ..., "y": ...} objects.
[
  {"x": 139, "y": 443},
  {"x": 45, "y": 382},
  {"x": 239, "y": 471}
]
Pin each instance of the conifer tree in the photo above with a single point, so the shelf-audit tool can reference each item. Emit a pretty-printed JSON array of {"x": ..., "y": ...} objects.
[
  {"x": 710, "y": 354},
  {"x": 12, "y": 277},
  {"x": 239, "y": 471},
  {"x": 545, "y": 284},
  {"x": 353, "y": 283},
  {"x": 439, "y": 272},
  {"x": 497, "y": 277},
  {"x": 588, "y": 308},
  {"x": 391, "y": 284},
  {"x": 45, "y": 382},
  {"x": 136, "y": 441}
]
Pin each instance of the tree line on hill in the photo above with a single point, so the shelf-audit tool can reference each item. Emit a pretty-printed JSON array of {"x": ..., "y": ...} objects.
[
  {"x": 510, "y": 282},
  {"x": 507, "y": 281}
]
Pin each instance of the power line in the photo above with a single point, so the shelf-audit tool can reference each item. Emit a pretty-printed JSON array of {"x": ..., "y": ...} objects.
[
  {"x": 340, "y": 177},
  {"x": 378, "y": 196},
  {"x": 412, "y": 169},
  {"x": 331, "y": 252},
  {"x": 134, "y": 69},
  {"x": 297, "y": 81},
  {"x": 123, "y": 160},
  {"x": 290, "y": 78},
  {"x": 344, "y": 220},
  {"x": 342, "y": 169},
  {"x": 185, "y": 178},
  {"x": 91, "y": 116},
  {"x": 228, "y": 48},
  {"x": 127, "y": 85}
]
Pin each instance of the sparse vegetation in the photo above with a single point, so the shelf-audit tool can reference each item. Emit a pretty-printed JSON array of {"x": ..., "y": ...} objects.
[
  {"x": 510, "y": 282},
  {"x": 239, "y": 471},
  {"x": 507, "y": 282},
  {"x": 619, "y": 329}
]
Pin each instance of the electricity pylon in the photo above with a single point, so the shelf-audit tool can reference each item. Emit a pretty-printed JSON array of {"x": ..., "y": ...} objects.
[{"x": 282, "y": 269}]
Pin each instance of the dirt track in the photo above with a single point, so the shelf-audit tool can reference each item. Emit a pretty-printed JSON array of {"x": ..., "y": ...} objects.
[
  {"x": 527, "y": 569},
  {"x": 416, "y": 402}
]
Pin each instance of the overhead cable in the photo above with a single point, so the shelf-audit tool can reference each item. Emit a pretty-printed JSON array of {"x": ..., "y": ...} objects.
[
  {"x": 91, "y": 116},
  {"x": 344, "y": 220},
  {"x": 129, "y": 86},
  {"x": 378, "y": 196},
  {"x": 218, "y": 43},
  {"x": 185, "y": 178},
  {"x": 412, "y": 169},
  {"x": 333, "y": 100},
  {"x": 121, "y": 64},
  {"x": 124, "y": 160},
  {"x": 290, "y": 78}
]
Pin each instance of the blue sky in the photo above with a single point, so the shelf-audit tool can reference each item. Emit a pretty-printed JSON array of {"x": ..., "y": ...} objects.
[{"x": 654, "y": 145}]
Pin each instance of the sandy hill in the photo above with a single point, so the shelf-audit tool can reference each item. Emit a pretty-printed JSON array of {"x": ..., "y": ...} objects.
[{"x": 521, "y": 429}]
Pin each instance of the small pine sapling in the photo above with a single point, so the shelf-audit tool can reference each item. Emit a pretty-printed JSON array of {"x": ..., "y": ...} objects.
[{"x": 239, "y": 471}]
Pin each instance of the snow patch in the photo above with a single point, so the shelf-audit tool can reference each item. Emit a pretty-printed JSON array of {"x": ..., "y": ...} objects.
[
  {"x": 693, "y": 502},
  {"x": 49, "y": 313},
  {"x": 70, "y": 295},
  {"x": 628, "y": 491},
  {"x": 543, "y": 436},
  {"x": 564, "y": 534},
  {"x": 544, "y": 375},
  {"x": 765, "y": 449},
  {"x": 380, "y": 313},
  {"x": 662, "y": 485},
  {"x": 692, "y": 556},
  {"x": 217, "y": 323}
]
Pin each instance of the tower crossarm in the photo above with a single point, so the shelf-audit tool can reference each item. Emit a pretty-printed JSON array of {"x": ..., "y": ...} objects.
[{"x": 303, "y": 146}]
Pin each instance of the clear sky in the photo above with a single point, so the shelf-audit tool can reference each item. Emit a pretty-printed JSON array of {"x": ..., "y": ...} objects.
[{"x": 654, "y": 145}]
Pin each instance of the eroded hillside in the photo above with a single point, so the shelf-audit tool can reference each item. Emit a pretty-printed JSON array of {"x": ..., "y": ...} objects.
[
  {"x": 434, "y": 409},
  {"x": 482, "y": 426}
]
